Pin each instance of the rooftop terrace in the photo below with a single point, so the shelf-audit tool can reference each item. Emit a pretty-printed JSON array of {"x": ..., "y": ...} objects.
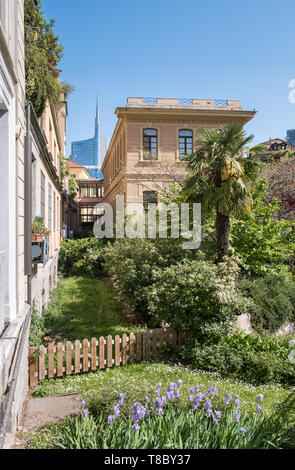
[{"x": 183, "y": 103}]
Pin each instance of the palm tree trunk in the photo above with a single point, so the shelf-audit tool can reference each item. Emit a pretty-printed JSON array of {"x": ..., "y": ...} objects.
[{"x": 222, "y": 229}]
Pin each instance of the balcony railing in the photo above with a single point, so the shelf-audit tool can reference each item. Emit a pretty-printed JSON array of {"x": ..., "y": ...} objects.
[{"x": 189, "y": 103}]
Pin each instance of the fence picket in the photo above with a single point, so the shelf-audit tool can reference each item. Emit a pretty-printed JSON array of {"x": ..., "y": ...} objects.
[
  {"x": 50, "y": 351},
  {"x": 131, "y": 347},
  {"x": 77, "y": 356},
  {"x": 93, "y": 354},
  {"x": 139, "y": 346},
  {"x": 155, "y": 335},
  {"x": 148, "y": 344},
  {"x": 59, "y": 351},
  {"x": 42, "y": 363},
  {"x": 101, "y": 352},
  {"x": 33, "y": 363},
  {"x": 109, "y": 351},
  {"x": 124, "y": 349},
  {"x": 117, "y": 350},
  {"x": 85, "y": 355},
  {"x": 68, "y": 358}
]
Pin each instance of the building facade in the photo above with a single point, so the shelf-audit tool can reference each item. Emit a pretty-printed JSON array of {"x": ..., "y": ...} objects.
[
  {"x": 290, "y": 137},
  {"x": 14, "y": 289},
  {"x": 150, "y": 140},
  {"x": 88, "y": 152},
  {"x": 91, "y": 192},
  {"x": 47, "y": 140},
  {"x": 272, "y": 147}
]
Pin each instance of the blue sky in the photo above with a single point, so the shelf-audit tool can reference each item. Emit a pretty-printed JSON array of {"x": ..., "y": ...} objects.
[{"x": 220, "y": 49}]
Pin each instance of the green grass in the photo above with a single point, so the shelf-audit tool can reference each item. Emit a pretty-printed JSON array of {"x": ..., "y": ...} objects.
[
  {"x": 138, "y": 380},
  {"x": 86, "y": 309},
  {"x": 101, "y": 390}
]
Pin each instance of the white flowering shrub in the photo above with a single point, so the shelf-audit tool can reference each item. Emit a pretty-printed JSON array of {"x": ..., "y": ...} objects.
[
  {"x": 190, "y": 294},
  {"x": 131, "y": 264}
]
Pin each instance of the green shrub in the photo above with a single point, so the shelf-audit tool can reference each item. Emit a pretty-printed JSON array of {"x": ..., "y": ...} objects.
[
  {"x": 250, "y": 358},
  {"x": 82, "y": 257},
  {"x": 193, "y": 294},
  {"x": 273, "y": 300},
  {"x": 36, "y": 329},
  {"x": 262, "y": 242},
  {"x": 131, "y": 263}
]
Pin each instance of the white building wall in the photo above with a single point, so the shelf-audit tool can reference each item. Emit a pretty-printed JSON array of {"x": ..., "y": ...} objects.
[{"x": 12, "y": 133}]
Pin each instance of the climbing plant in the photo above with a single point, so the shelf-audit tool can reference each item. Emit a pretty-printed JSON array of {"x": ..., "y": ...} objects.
[{"x": 43, "y": 52}]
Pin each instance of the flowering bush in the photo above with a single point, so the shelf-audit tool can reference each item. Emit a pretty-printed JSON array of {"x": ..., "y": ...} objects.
[
  {"x": 131, "y": 263},
  {"x": 207, "y": 421},
  {"x": 194, "y": 293},
  {"x": 81, "y": 257}
]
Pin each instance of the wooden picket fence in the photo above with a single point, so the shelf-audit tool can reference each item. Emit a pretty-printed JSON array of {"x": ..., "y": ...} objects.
[{"x": 60, "y": 360}]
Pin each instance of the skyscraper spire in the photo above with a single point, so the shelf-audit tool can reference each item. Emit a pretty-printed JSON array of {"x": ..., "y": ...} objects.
[{"x": 97, "y": 112}]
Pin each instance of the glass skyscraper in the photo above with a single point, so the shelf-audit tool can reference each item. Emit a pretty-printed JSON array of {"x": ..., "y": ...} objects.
[
  {"x": 291, "y": 136},
  {"x": 87, "y": 152}
]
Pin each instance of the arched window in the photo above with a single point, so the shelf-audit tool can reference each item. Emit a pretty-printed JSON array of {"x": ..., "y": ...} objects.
[
  {"x": 150, "y": 144},
  {"x": 185, "y": 142}
]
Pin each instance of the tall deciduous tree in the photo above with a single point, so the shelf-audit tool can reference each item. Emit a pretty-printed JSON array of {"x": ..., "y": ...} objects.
[{"x": 220, "y": 177}]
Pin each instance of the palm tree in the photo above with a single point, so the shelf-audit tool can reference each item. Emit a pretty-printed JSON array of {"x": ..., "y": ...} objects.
[{"x": 220, "y": 176}]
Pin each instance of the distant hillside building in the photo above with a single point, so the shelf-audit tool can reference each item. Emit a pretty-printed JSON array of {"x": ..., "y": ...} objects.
[
  {"x": 88, "y": 152},
  {"x": 272, "y": 147},
  {"x": 291, "y": 136}
]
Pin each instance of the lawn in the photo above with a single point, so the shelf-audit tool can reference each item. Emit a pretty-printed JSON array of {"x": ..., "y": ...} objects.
[
  {"x": 101, "y": 390},
  {"x": 138, "y": 380},
  {"x": 87, "y": 308}
]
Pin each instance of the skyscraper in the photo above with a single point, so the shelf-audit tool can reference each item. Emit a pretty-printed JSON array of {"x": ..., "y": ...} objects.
[
  {"x": 87, "y": 152},
  {"x": 291, "y": 136}
]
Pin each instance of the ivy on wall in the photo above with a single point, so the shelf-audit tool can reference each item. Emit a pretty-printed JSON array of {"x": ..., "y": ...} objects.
[{"x": 43, "y": 52}]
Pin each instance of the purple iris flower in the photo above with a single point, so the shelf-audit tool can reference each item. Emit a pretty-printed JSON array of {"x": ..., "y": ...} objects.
[
  {"x": 135, "y": 427},
  {"x": 260, "y": 397},
  {"x": 237, "y": 404},
  {"x": 259, "y": 409},
  {"x": 110, "y": 419},
  {"x": 218, "y": 414},
  {"x": 208, "y": 412},
  {"x": 236, "y": 417},
  {"x": 160, "y": 411},
  {"x": 243, "y": 430},
  {"x": 85, "y": 412},
  {"x": 83, "y": 403},
  {"x": 179, "y": 383}
]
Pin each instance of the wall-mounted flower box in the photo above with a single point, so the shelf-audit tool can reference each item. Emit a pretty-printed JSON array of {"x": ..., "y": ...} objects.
[{"x": 36, "y": 237}]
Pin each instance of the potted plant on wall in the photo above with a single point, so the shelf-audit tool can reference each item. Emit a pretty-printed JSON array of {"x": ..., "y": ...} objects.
[{"x": 39, "y": 232}]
